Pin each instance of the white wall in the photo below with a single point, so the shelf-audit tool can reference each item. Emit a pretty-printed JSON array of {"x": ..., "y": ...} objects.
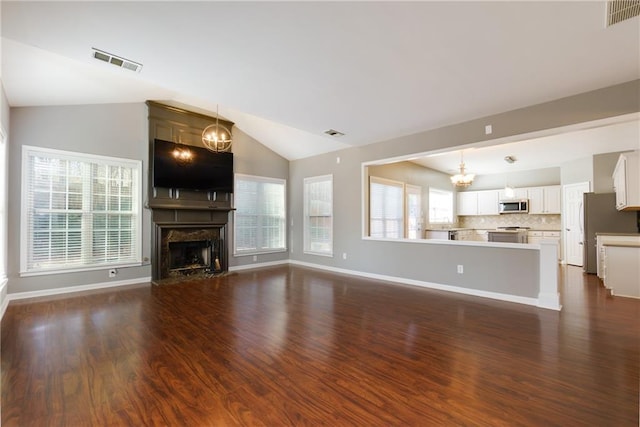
[{"x": 4, "y": 175}]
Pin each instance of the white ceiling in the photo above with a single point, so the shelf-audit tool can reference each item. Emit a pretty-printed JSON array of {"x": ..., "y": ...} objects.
[{"x": 284, "y": 72}]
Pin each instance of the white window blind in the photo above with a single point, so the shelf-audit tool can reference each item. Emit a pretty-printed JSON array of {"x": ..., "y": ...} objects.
[
  {"x": 260, "y": 215},
  {"x": 318, "y": 215},
  {"x": 414, "y": 211},
  {"x": 440, "y": 206},
  {"x": 386, "y": 208},
  {"x": 80, "y": 211}
]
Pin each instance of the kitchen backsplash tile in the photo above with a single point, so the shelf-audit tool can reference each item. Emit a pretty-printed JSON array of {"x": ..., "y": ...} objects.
[{"x": 535, "y": 222}]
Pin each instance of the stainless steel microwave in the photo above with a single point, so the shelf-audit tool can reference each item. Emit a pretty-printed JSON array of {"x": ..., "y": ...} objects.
[{"x": 514, "y": 206}]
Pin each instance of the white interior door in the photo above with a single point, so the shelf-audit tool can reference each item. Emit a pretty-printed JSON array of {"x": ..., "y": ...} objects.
[{"x": 572, "y": 219}]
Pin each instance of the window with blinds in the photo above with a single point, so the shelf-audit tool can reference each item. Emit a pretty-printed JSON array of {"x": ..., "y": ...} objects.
[
  {"x": 386, "y": 208},
  {"x": 260, "y": 215},
  {"x": 79, "y": 211},
  {"x": 318, "y": 215},
  {"x": 440, "y": 206}
]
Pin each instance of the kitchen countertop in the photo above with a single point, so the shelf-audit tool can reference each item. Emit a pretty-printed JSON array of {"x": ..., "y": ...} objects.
[{"x": 617, "y": 234}]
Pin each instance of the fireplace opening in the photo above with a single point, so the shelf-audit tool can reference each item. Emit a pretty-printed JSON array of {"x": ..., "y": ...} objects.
[
  {"x": 188, "y": 250},
  {"x": 189, "y": 257}
]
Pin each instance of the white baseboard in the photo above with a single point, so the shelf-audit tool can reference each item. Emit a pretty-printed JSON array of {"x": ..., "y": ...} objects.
[
  {"x": 80, "y": 288},
  {"x": 258, "y": 265},
  {"x": 430, "y": 285}
]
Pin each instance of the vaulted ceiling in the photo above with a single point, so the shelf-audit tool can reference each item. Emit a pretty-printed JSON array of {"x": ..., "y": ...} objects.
[{"x": 285, "y": 72}]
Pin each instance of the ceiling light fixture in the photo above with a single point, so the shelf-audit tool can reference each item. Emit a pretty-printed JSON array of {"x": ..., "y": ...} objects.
[
  {"x": 509, "y": 191},
  {"x": 462, "y": 179},
  {"x": 333, "y": 132},
  {"x": 217, "y": 137}
]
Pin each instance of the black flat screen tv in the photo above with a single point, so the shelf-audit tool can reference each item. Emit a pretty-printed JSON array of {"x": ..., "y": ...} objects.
[{"x": 187, "y": 167}]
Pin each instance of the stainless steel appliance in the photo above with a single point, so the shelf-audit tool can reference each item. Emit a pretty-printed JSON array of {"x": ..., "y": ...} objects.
[
  {"x": 508, "y": 235},
  {"x": 601, "y": 216},
  {"x": 514, "y": 206}
]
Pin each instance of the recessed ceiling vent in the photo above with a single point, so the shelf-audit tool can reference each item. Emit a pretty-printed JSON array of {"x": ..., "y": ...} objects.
[
  {"x": 332, "y": 132},
  {"x": 621, "y": 10},
  {"x": 115, "y": 60}
]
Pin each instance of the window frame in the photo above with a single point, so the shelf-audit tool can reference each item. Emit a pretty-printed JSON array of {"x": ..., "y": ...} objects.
[
  {"x": 88, "y": 160},
  {"x": 442, "y": 192},
  {"x": 402, "y": 220},
  {"x": 307, "y": 240},
  {"x": 259, "y": 179},
  {"x": 410, "y": 189}
]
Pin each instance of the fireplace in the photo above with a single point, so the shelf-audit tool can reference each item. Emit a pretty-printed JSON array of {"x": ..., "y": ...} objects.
[{"x": 186, "y": 250}]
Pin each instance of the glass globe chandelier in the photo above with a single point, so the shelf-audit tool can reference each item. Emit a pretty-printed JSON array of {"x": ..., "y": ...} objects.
[{"x": 217, "y": 137}]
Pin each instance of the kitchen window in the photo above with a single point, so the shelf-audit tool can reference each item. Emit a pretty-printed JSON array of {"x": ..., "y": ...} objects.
[
  {"x": 260, "y": 215},
  {"x": 440, "y": 206},
  {"x": 79, "y": 211},
  {"x": 318, "y": 215},
  {"x": 386, "y": 209}
]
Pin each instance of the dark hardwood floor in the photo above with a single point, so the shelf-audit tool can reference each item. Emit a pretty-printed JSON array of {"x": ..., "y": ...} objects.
[{"x": 294, "y": 346}]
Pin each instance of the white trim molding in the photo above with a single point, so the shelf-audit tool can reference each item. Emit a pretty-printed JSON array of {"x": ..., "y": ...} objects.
[
  {"x": 79, "y": 288},
  {"x": 549, "y": 297},
  {"x": 430, "y": 285},
  {"x": 4, "y": 298}
]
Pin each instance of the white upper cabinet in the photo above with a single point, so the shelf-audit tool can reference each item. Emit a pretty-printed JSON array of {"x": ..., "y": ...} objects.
[
  {"x": 544, "y": 200},
  {"x": 468, "y": 203},
  {"x": 626, "y": 182},
  {"x": 518, "y": 194},
  {"x": 488, "y": 202}
]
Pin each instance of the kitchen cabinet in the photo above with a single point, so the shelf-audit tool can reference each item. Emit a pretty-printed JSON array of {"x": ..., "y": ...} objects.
[
  {"x": 518, "y": 194},
  {"x": 611, "y": 239},
  {"x": 544, "y": 200},
  {"x": 538, "y": 236},
  {"x": 621, "y": 268},
  {"x": 626, "y": 182},
  {"x": 468, "y": 203},
  {"x": 488, "y": 202}
]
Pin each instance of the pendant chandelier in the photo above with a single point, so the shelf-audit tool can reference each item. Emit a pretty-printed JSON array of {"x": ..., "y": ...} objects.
[
  {"x": 217, "y": 137},
  {"x": 462, "y": 179}
]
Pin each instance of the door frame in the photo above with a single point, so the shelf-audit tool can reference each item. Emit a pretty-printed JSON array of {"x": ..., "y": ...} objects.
[{"x": 565, "y": 211}]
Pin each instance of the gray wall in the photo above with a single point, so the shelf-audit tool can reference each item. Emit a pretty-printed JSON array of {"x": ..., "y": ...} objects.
[
  {"x": 603, "y": 166},
  {"x": 486, "y": 268},
  {"x": 118, "y": 130},
  {"x": 253, "y": 158},
  {"x": 580, "y": 170}
]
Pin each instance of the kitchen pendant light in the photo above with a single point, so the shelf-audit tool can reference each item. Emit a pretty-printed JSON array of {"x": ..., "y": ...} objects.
[
  {"x": 462, "y": 179},
  {"x": 217, "y": 137},
  {"x": 509, "y": 192}
]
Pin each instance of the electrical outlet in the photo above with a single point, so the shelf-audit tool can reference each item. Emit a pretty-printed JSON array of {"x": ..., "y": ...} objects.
[
  {"x": 460, "y": 269},
  {"x": 113, "y": 272},
  {"x": 344, "y": 255},
  {"x": 255, "y": 258}
]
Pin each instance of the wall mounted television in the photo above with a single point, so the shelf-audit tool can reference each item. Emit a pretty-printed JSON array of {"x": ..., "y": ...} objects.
[{"x": 187, "y": 167}]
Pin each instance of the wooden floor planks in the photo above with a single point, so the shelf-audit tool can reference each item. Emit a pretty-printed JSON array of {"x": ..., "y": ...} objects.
[{"x": 294, "y": 346}]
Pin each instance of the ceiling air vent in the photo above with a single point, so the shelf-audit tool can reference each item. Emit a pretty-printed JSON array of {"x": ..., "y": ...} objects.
[
  {"x": 115, "y": 60},
  {"x": 332, "y": 132},
  {"x": 621, "y": 10}
]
